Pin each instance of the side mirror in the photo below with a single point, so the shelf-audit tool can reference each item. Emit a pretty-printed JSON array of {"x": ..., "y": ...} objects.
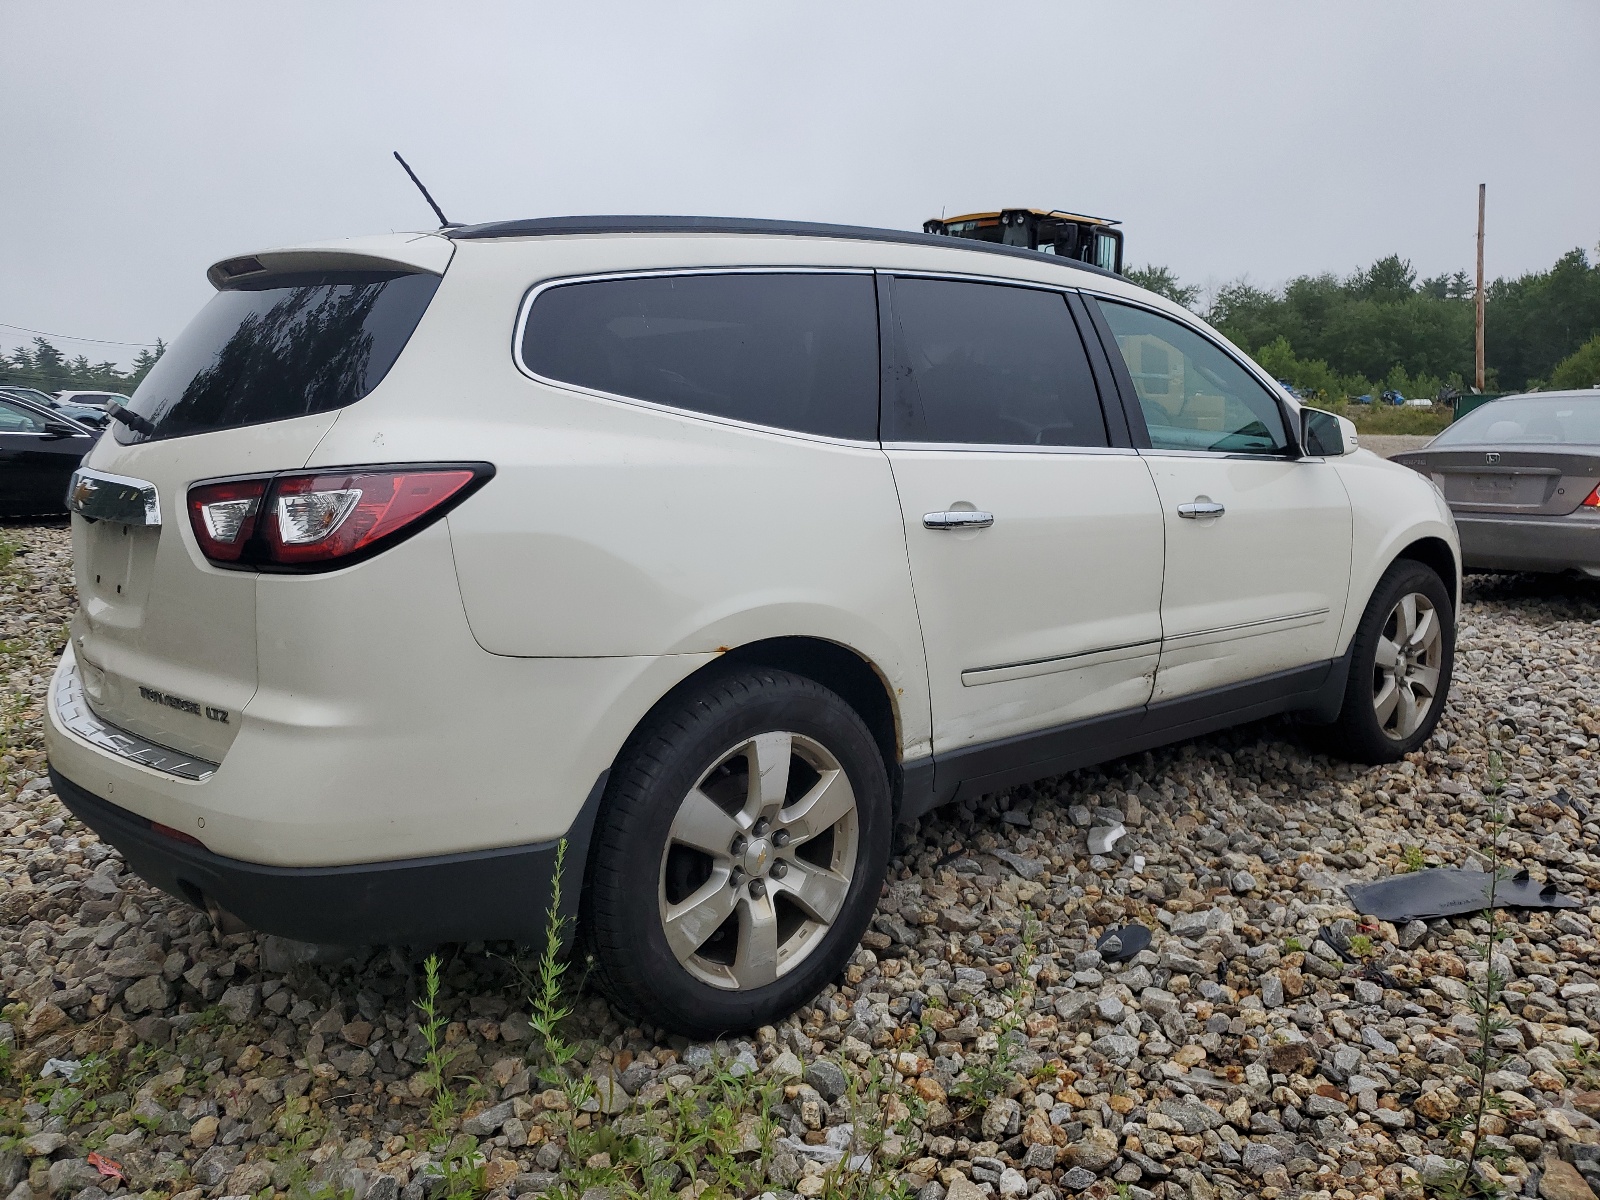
[
  {"x": 1326, "y": 434},
  {"x": 60, "y": 429}
]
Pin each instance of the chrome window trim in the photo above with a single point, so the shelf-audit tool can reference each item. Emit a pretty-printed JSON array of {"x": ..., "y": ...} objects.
[
  {"x": 1236, "y": 455},
  {"x": 89, "y": 495},
  {"x": 1010, "y": 448},
  {"x": 961, "y": 277},
  {"x": 76, "y": 717},
  {"x": 539, "y": 289}
]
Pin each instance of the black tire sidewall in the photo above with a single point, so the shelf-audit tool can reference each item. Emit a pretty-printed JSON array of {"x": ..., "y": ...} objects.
[
  {"x": 654, "y": 774},
  {"x": 1358, "y": 733}
]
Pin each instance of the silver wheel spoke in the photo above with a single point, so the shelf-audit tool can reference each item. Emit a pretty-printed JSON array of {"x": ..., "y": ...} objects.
[
  {"x": 1424, "y": 679},
  {"x": 755, "y": 963},
  {"x": 818, "y": 892},
  {"x": 1427, "y": 629},
  {"x": 702, "y": 824},
  {"x": 1388, "y": 654},
  {"x": 820, "y": 809},
  {"x": 1409, "y": 716},
  {"x": 689, "y": 924},
  {"x": 1388, "y": 696},
  {"x": 1406, "y": 612},
  {"x": 769, "y": 773}
]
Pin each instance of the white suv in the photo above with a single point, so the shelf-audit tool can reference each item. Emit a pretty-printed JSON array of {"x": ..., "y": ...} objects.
[{"x": 712, "y": 547}]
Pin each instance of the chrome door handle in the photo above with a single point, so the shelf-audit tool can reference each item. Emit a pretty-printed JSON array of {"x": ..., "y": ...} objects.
[
  {"x": 960, "y": 519},
  {"x": 1201, "y": 508}
]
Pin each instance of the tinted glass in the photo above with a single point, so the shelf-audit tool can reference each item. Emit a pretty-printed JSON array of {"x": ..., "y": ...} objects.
[
  {"x": 794, "y": 351},
  {"x": 16, "y": 419},
  {"x": 1529, "y": 421},
  {"x": 989, "y": 364},
  {"x": 1194, "y": 396},
  {"x": 1322, "y": 433},
  {"x": 285, "y": 347}
]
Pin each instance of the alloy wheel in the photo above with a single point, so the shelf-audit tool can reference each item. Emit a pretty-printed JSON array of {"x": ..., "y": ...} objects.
[
  {"x": 1406, "y": 668},
  {"x": 759, "y": 860}
]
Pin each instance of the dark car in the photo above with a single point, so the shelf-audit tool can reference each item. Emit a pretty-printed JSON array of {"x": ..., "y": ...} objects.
[
  {"x": 39, "y": 450},
  {"x": 1522, "y": 476}
]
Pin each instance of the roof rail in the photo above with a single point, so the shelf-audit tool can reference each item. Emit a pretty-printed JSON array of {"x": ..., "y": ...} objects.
[{"x": 570, "y": 226}]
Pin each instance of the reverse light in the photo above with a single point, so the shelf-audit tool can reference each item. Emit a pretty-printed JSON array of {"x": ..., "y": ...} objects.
[
  {"x": 306, "y": 517},
  {"x": 224, "y": 516},
  {"x": 321, "y": 520}
]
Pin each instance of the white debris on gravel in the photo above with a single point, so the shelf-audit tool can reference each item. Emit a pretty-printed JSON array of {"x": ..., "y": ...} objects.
[{"x": 1238, "y": 1056}]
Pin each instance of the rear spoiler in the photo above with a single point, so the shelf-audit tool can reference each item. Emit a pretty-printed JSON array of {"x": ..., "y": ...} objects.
[{"x": 428, "y": 253}]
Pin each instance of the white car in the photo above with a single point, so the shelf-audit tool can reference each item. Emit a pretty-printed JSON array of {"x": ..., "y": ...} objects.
[
  {"x": 92, "y": 399},
  {"x": 710, "y": 548}
]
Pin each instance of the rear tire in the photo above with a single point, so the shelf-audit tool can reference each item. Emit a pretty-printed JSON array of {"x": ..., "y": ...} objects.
[
  {"x": 1400, "y": 666},
  {"x": 738, "y": 855}
]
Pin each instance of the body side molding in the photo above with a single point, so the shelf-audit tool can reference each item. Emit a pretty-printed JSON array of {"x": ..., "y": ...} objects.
[{"x": 1317, "y": 690}]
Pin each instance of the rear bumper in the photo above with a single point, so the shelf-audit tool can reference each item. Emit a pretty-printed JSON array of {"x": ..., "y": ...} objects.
[
  {"x": 1551, "y": 544},
  {"x": 484, "y": 894}
]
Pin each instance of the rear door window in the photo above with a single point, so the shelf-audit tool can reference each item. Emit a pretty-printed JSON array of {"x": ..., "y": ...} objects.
[
  {"x": 987, "y": 364},
  {"x": 795, "y": 351},
  {"x": 280, "y": 347}
]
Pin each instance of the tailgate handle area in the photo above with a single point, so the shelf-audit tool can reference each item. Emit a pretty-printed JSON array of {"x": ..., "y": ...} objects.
[{"x": 98, "y": 496}]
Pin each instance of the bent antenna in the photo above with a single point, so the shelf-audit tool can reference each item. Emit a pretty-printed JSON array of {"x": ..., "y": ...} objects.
[{"x": 444, "y": 223}]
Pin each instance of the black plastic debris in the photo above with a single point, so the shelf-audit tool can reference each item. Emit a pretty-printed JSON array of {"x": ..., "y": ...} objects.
[
  {"x": 1338, "y": 943},
  {"x": 1119, "y": 945},
  {"x": 1451, "y": 892}
]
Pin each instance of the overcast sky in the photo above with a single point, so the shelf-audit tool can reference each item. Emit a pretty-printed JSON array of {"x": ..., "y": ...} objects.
[{"x": 143, "y": 142}]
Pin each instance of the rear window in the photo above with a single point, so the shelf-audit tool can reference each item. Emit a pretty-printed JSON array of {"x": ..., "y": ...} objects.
[
  {"x": 285, "y": 346},
  {"x": 794, "y": 351},
  {"x": 1529, "y": 421}
]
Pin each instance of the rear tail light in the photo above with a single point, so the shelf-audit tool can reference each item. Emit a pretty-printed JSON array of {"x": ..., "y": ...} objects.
[
  {"x": 224, "y": 516},
  {"x": 320, "y": 520},
  {"x": 1592, "y": 500}
]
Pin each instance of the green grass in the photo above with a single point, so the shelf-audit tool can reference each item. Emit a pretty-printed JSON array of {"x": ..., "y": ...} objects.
[{"x": 1389, "y": 420}]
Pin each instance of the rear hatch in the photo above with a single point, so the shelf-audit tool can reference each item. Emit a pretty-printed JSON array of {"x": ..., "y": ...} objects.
[
  {"x": 166, "y": 642},
  {"x": 1525, "y": 481}
]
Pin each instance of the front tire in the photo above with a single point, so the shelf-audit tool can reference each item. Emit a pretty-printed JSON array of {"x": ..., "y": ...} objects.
[
  {"x": 738, "y": 855},
  {"x": 1400, "y": 665}
]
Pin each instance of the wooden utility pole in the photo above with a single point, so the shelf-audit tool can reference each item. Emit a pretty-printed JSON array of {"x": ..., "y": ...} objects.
[{"x": 1481, "y": 189}]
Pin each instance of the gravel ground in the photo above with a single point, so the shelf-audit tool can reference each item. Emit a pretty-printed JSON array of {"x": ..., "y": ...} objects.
[
  {"x": 977, "y": 1044},
  {"x": 1387, "y": 445}
]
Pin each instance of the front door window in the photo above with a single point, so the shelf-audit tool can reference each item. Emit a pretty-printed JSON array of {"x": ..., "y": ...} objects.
[{"x": 1194, "y": 396}]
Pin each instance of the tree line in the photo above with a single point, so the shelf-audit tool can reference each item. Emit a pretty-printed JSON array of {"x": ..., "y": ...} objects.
[
  {"x": 1337, "y": 338},
  {"x": 1382, "y": 328},
  {"x": 46, "y": 368}
]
